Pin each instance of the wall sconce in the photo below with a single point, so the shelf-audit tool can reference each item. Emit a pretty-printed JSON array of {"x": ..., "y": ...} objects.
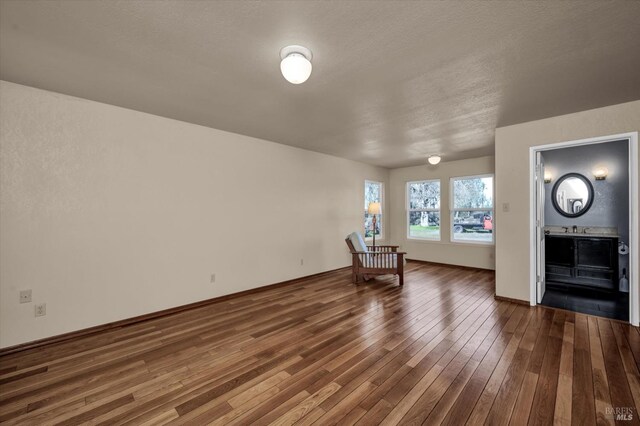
[
  {"x": 600, "y": 173},
  {"x": 547, "y": 177}
]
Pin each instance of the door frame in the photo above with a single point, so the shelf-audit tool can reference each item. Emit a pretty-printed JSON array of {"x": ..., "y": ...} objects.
[
  {"x": 634, "y": 239},
  {"x": 540, "y": 241}
]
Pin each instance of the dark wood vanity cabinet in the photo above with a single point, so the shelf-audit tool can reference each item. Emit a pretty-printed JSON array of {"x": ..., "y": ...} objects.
[{"x": 582, "y": 261}]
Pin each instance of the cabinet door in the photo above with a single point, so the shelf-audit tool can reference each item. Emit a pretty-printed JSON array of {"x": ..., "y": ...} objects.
[
  {"x": 559, "y": 251},
  {"x": 595, "y": 253}
]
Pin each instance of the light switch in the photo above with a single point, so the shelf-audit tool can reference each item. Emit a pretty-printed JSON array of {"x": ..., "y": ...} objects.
[{"x": 505, "y": 207}]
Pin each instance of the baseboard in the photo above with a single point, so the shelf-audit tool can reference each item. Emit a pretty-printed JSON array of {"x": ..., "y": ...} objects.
[
  {"x": 146, "y": 317},
  {"x": 508, "y": 299},
  {"x": 469, "y": 268}
]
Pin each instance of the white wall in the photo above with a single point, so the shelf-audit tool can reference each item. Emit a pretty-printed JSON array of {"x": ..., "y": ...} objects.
[
  {"x": 443, "y": 251},
  {"x": 108, "y": 213},
  {"x": 513, "y": 247}
]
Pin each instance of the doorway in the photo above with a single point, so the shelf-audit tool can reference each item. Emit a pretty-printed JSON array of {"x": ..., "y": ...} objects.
[{"x": 584, "y": 225}]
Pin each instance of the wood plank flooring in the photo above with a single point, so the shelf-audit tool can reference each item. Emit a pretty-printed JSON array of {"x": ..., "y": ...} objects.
[{"x": 439, "y": 350}]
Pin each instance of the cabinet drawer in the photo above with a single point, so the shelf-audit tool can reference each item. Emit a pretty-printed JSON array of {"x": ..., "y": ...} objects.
[
  {"x": 563, "y": 271},
  {"x": 596, "y": 278},
  {"x": 590, "y": 273}
]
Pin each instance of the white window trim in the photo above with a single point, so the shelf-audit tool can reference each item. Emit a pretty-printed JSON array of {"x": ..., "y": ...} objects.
[
  {"x": 408, "y": 210},
  {"x": 381, "y": 217},
  {"x": 452, "y": 210}
]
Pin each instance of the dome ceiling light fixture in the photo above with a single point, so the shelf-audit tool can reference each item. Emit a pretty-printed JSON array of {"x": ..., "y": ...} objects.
[
  {"x": 434, "y": 159},
  {"x": 296, "y": 63}
]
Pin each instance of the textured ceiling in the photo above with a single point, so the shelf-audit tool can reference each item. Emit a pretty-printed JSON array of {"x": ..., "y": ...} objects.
[{"x": 392, "y": 81}]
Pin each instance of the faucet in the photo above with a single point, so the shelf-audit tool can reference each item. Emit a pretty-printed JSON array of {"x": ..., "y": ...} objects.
[
  {"x": 575, "y": 229},
  {"x": 566, "y": 229},
  {"x": 584, "y": 230}
]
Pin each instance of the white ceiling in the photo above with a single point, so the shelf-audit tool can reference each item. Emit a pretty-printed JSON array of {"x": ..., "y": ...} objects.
[{"x": 392, "y": 81}]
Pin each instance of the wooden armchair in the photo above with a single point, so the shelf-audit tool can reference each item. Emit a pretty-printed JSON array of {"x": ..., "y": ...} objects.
[{"x": 368, "y": 261}]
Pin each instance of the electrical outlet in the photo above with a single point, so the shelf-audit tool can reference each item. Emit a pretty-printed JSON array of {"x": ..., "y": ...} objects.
[
  {"x": 25, "y": 296},
  {"x": 213, "y": 278},
  {"x": 301, "y": 262},
  {"x": 41, "y": 309}
]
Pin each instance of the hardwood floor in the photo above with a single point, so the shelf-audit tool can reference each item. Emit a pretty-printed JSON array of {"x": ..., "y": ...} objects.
[{"x": 440, "y": 350}]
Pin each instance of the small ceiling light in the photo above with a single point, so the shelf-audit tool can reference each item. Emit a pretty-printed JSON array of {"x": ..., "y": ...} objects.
[
  {"x": 547, "y": 177},
  {"x": 296, "y": 63},
  {"x": 434, "y": 159},
  {"x": 600, "y": 173}
]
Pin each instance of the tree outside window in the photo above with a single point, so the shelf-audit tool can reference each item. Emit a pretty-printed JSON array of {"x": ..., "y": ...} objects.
[{"x": 423, "y": 210}]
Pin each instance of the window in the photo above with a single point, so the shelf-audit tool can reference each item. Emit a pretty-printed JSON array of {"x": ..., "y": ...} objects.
[
  {"x": 423, "y": 210},
  {"x": 472, "y": 209},
  {"x": 373, "y": 193}
]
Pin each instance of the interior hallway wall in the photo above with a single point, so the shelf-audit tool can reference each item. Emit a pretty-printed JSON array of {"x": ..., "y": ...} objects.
[{"x": 108, "y": 213}]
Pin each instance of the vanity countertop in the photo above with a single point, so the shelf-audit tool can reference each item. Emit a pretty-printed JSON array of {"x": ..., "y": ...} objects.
[
  {"x": 592, "y": 231},
  {"x": 580, "y": 234}
]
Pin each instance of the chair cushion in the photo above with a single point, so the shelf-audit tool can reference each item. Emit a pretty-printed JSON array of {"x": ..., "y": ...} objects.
[{"x": 357, "y": 241}]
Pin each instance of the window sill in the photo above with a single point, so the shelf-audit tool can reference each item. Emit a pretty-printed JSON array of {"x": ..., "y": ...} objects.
[
  {"x": 448, "y": 243},
  {"x": 472, "y": 243},
  {"x": 424, "y": 240}
]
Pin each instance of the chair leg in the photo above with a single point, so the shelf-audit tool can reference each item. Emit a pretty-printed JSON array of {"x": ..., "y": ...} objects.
[{"x": 401, "y": 269}]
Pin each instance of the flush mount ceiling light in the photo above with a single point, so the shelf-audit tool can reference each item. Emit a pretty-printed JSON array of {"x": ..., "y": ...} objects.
[
  {"x": 296, "y": 63},
  {"x": 434, "y": 159}
]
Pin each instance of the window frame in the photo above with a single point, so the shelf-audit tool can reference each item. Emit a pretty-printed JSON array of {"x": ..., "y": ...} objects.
[
  {"x": 380, "y": 218},
  {"x": 492, "y": 209},
  {"x": 409, "y": 210}
]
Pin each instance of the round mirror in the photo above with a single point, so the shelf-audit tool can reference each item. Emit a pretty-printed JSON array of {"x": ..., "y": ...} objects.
[{"x": 572, "y": 195}]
